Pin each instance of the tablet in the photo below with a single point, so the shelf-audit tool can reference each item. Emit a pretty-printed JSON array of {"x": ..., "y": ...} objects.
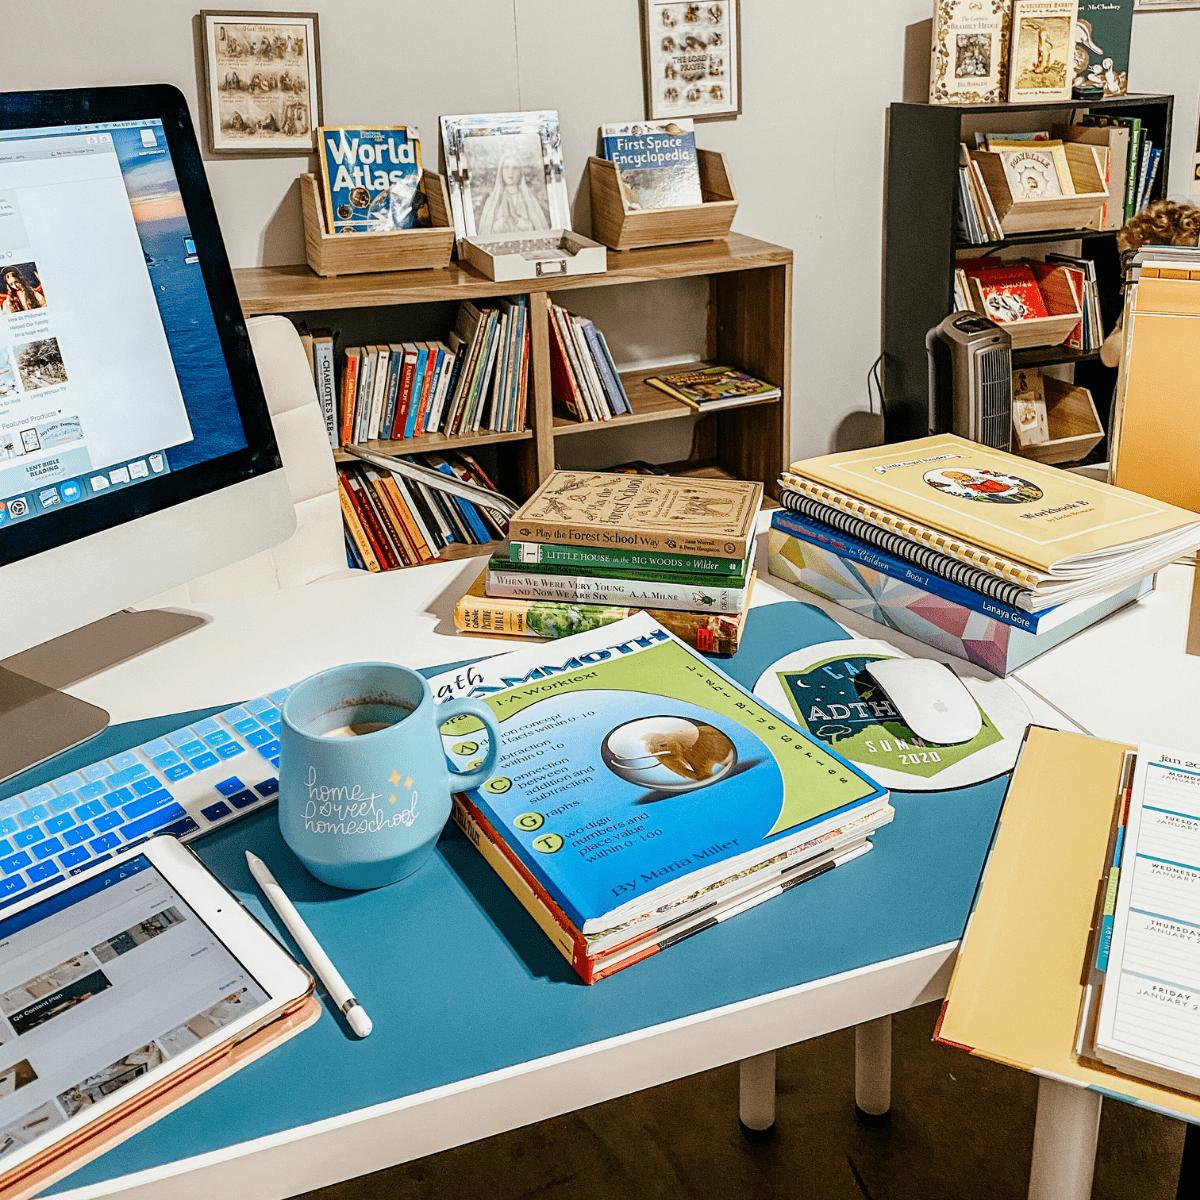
[{"x": 115, "y": 980}]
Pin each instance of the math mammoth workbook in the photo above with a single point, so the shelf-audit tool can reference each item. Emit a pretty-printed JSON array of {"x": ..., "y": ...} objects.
[{"x": 633, "y": 771}]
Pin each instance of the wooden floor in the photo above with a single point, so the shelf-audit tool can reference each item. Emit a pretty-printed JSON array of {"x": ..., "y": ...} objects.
[{"x": 961, "y": 1127}]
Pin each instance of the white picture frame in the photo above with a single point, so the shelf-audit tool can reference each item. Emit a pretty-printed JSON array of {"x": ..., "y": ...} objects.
[
  {"x": 692, "y": 59},
  {"x": 262, "y": 74},
  {"x": 505, "y": 173}
]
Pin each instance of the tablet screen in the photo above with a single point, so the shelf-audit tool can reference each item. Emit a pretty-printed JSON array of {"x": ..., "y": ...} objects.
[{"x": 99, "y": 985}]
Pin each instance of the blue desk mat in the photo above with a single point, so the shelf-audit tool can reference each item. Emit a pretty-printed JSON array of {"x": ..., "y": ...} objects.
[{"x": 459, "y": 981}]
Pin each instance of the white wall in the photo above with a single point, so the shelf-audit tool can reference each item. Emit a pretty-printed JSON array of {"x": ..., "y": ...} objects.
[{"x": 806, "y": 155}]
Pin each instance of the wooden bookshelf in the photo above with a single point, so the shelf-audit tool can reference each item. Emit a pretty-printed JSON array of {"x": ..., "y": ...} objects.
[{"x": 749, "y": 327}]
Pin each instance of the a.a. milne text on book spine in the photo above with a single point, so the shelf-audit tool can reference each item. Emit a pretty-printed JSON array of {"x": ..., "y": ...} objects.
[
  {"x": 582, "y": 589},
  {"x": 994, "y": 564}
]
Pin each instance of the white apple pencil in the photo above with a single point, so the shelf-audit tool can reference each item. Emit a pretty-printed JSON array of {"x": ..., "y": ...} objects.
[{"x": 326, "y": 972}]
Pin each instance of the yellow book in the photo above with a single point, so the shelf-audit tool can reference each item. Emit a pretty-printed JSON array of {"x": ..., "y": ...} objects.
[{"x": 977, "y": 503}]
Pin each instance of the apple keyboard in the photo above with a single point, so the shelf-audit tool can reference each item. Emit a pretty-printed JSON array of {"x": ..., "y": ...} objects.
[{"x": 187, "y": 783}]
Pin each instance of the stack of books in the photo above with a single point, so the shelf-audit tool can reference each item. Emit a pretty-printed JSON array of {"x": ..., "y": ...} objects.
[
  {"x": 985, "y": 555},
  {"x": 478, "y": 378},
  {"x": 671, "y": 798},
  {"x": 585, "y": 385},
  {"x": 391, "y": 521},
  {"x": 588, "y": 548}
]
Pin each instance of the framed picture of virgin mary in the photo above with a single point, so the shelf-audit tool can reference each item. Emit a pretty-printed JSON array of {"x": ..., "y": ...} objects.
[{"x": 505, "y": 173}]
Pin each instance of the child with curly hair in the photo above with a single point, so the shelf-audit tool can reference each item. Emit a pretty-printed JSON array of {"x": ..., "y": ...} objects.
[{"x": 1163, "y": 223}]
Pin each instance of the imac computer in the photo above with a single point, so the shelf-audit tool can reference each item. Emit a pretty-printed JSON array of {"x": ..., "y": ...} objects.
[{"x": 136, "y": 449}]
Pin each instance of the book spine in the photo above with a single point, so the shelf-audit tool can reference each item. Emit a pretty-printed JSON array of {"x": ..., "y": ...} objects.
[
  {"x": 1155, "y": 158},
  {"x": 466, "y": 509},
  {"x": 562, "y": 385},
  {"x": 404, "y": 393},
  {"x": 626, "y": 560},
  {"x": 349, "y": 391},
  {"x": 475, "y": 417},
  {"x": 616, "y": 375},
  {"x": 392, "y": 525},
  {"x": 523, "y": 381},
  {"x": 326, "y": 388},
  {"x": 1135, "y": 161},
  {"x": 420, "y": 391},
  {"x": 362, "y": 400},
  {"x": 443, "y": 413},
  {"x": 851, "y": 550},
  {"x": 645, "y": 538},
  {"x": 378, "y": 393},
  {"x": 355, "y": 529},
  {"x": 605, "y": 571},
  {"x": 985, "y": 560},
  {"x": 404, "y": 513},
  {"x": 354, "y": 560},
  {"x": 430, "y": 386},
  {"x": 580, "y": 589},
  {"x": 408, "y": 492},
  {"x": 395, "y": 368},
  {"x": 532, "y": 897},
  {"x": 366, "y": 520}
]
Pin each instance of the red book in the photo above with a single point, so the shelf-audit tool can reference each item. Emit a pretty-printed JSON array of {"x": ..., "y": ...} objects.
[
  {"x": 370, "y": 522},
  {"x": 1010, "y": 294},
  {"x": 404, "y": 391},
  {"x": 562, "y": 382},
  {"x": 435, "y": 354}
]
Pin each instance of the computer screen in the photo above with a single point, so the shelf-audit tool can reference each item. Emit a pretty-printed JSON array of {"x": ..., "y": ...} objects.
[
  {"x": 136, "y": 448},
  {"x": 127, "y": 386}
]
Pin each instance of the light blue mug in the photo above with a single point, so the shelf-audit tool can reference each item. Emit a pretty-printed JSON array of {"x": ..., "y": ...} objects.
[{"x": 364, "y": 785}]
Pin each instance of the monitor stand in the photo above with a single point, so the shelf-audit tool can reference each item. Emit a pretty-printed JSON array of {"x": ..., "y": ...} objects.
[{"x": 37, "y": 721}]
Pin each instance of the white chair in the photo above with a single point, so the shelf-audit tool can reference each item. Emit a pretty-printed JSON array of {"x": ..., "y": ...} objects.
[{"x": 316, "y": 551}]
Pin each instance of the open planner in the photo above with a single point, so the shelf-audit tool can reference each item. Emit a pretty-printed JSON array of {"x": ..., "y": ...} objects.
[{"x": 1141, "y": 1006}]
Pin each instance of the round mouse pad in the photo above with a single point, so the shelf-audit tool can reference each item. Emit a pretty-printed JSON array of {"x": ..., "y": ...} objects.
[{"x": 825, "y": 688}]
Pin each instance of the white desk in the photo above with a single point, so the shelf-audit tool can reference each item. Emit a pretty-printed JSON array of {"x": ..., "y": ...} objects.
[{"x": 251, "y": 645}]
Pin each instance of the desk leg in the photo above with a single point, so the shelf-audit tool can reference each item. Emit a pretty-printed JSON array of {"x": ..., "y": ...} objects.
[
  {"x": 873, "y": 1070},
  {"x": 1064, "y": 1141},
  {"x": 756, "y": 1097}
]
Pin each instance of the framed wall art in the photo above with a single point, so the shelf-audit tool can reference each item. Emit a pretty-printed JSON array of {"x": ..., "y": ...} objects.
[
  {"x": 263, "y": 79},
  {"x": 505, "y": 173},
  {"x": 691, "y": 59}
]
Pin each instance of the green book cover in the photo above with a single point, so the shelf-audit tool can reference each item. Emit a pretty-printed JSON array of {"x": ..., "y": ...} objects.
[
  {"x": 1103, "y": 35},
  {"x": 543, "y": 553},
  {"x": 500, "y": 562}
]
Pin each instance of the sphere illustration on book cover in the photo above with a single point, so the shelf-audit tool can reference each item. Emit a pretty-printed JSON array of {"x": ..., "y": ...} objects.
[
  {"x": 992, "y": 487},
  {"x": 668, "y": 753}
]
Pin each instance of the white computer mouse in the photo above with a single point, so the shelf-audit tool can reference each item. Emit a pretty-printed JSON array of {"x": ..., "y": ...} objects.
[{"x": 930, "y": 698}]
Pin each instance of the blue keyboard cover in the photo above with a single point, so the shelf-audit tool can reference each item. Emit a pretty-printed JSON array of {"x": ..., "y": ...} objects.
[{"x": 186, "y": 783}]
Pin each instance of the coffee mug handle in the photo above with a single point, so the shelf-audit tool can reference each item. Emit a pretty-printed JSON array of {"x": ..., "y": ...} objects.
[{"x": 464, "y": 781}]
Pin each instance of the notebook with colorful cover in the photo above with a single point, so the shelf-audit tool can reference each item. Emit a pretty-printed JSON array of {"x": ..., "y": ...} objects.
[{"x": 713, "y": 387}]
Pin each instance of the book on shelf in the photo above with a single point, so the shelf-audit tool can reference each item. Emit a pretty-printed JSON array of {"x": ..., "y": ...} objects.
[
  {"x": 1008, "y": 293},
  {"x": 585, "y": 384},
  {"x": 709, "y": 388},
  {"x": 1089, "y": 334},
  {"x": 371, "y": 178},
  {"x": 1035, "y": 170},
  {"x": 1042, "y": 62},
  {"x": 970, "y": 631},
  {"x": 477, "y": 612},
  {"x": 393, "y": 520},
  {"x": 584, "y": 840},
  {"x": 656, "y": 162},
  {"x": 969, "y": 52},
  {"x": 1133, "y": 161},
  {"x": 641, "y": 512},
  {"x": 1057, "y": 534},
  {"x": 477, "y": 378},
  {"x": 1103, "y": 32}
]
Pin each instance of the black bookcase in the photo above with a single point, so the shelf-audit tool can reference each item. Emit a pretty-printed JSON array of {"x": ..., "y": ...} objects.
[{"x": 921, "y": 238}]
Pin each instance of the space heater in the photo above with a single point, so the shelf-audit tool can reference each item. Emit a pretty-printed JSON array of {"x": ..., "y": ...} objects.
[{"x": 970, "y": 379}]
